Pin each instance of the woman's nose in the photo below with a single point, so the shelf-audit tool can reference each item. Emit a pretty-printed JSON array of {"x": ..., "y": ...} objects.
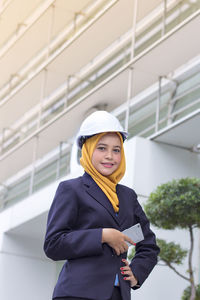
[{"x": 109, "y": 154}]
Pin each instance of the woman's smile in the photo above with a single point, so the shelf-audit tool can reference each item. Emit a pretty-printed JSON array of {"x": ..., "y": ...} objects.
[{"x": 107, "y": 165}]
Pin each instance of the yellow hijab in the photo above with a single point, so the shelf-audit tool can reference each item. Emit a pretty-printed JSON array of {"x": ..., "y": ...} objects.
[{"x": 106, "y": 183}]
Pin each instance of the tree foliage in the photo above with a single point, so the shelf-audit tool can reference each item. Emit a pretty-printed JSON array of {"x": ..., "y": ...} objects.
[
  {"x": 187, "y": 292},
  {"x": 175, "y": 204},
  {"x": 171, "y": 253},
  {"x": 131, "y": 253}
]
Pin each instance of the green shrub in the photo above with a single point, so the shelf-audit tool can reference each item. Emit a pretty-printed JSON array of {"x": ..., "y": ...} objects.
[{"x": 187, "y": 291}]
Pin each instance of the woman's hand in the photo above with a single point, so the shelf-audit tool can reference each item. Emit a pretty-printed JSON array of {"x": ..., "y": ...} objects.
[
  {"x": 116, "y": 240},
  {"x": 128, "y": 274}
]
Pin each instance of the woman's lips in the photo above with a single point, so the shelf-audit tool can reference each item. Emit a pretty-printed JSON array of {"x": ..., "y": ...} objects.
[{"x": 107, "y": 165}]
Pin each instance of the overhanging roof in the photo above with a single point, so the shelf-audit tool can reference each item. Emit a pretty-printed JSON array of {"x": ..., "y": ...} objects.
[
  {"x": 160, "y": 59},
  {"x": 184, "y": 133}
]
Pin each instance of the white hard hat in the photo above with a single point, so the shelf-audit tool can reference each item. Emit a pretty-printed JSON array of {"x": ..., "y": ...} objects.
[{"x": 97, "y": 122}]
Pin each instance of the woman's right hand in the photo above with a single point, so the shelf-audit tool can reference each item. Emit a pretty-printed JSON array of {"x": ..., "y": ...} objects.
[{"x": 116, "y": 240}]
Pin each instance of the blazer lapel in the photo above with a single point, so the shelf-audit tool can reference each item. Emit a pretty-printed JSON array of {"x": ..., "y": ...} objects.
[
  {"x": 122, "y": 205},
  {"x": 95, "y": 191}
]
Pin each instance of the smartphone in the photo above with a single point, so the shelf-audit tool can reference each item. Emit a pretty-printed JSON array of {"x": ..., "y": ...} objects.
[{"x": 135, "y": 233}]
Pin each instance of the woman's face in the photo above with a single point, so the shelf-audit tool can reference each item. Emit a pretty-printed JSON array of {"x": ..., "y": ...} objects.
[{"x": 106, "y": 157}]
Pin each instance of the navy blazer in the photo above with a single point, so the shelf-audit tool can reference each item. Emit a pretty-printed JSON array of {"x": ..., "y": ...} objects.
[{"x": 78, "y": 213}]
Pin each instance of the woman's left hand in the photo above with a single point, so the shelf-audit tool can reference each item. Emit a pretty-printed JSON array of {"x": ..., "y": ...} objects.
[{"x": 128, "y": 274}]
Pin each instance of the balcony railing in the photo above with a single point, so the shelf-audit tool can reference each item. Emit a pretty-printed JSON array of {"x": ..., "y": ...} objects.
[
  {"x": 179, "y": 96},
  {"x": 43, "y": 175},
  {"x": 68, "y": 95}
]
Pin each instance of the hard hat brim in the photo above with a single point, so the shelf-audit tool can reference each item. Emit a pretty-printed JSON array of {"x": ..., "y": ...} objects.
[{"x": 81, "y": 139}]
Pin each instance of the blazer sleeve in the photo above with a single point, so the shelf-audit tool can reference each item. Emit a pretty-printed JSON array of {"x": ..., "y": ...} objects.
[
  {"x": 62, "y": 241},
  {"x": 146, "y": 251}
]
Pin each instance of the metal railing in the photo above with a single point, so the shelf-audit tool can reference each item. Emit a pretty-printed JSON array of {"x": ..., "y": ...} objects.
[
  {"x": 76, "y": 87},
  {"x": 146, "y": 119},
  {"x": 54, "y": 48},
  {"x": 44, "y": 174},
  {"x": 176, "y": 101}
]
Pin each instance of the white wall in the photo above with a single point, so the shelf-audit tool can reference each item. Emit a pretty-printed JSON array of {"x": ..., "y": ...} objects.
[
  {"x": 23, "y": 265},
  {"x": 150, "y": 164},
  {"x": 25, "y": 278},
  {"x": 24, "y": 272}
]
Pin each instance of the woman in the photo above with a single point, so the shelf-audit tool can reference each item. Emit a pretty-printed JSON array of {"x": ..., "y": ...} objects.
[{"x": 88, "y": 215}]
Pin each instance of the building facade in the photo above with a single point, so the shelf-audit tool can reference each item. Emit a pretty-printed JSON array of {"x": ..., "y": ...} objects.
[{"x": 61, "y": 60}]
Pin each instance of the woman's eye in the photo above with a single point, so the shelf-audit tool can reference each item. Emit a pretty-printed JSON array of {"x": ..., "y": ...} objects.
[
  {"x": 101, "y": 148},
  {"x": 117, "y": 150}
]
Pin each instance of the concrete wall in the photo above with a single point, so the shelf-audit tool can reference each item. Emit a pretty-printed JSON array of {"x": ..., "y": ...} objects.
[{"x": 24, "y": 271}]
